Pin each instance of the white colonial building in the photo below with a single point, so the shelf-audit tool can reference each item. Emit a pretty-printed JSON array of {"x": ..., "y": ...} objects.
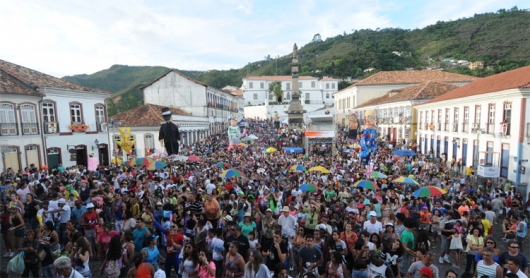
[
  {"x": 174, "y": 89},
  {"x": 485, "y": 124},
  {"x": 45, "y": 120},
  {"x": 312, "y": 90},
  {"x": 383, "y": 82}
]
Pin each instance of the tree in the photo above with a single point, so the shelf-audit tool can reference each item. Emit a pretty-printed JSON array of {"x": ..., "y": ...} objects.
[
  {"x": 276, "y": 89},
  {"x": 316, "y": 38}
]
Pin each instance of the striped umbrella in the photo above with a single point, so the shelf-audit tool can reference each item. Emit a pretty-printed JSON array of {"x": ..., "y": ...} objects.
[
  {"x": 297, "y": 168},
  {"x": 231, "y": 173},
  {"x": 429, "y": 191},
  {"x": 405, "y": 180},
  {"x": 308, "y": 187},
  {"x": 144, "y": 161},
  {"x": 155, "y": 165},
  {"x": 366, "y": 185},
  {"x": 375, "y": 174}
]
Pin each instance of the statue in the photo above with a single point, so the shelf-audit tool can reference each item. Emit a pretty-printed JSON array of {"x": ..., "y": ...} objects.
[
  {"x": 276, "y": 120},
  {"x": 295, "y": 51},
  {"x": 368, "y": 138},
  {"x": 353, "y": 127},
  {"x": 169, "y": 135},
  {"x": 234, "y": 134}
]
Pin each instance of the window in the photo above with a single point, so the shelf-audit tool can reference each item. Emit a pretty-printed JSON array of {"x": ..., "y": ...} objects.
[
  {"x": 29, "y": 119},
  {"x": 465, "y": 125},
  {"x": 489, "y": 156},
  {"x": 332, "y": 85},
  {"x": 313, "y": 84},
  {"x": 446, "y": 122},
  {"x": 506, "y": 118},
  {"x": 149, "y": 142},
  {"x": 505, "y": 161},
  {"x": 408, "y": 111},
  {"x": 251, "y": 85},
  {"x": 299, "y": 84},
  {"x": 456, "y": 120},
  {"x": 491, "y": 118},
  {"x": 327, "y": 85},
  {"x": 255, "y": 96},
  {"x": 262, "y": 85},
  {"x": 75, "y": 113},
  {"x": 48, "y": 112},
  {"x": 288, "y": 95},
  {"x": 288, "y": 86},
  {"x": 421, "y": 120},
  {"x": 327, "y": 95},
  {"x": 100, "y": 113},
  {"x": 477, "y": 115},
  {"x": 7, "y": 119},
  {"x": 439, "y": 116},
  {"x": 271, "y": 96},
  {"x": 307, "y": 96},
  {"x": 401, "y": 112}
]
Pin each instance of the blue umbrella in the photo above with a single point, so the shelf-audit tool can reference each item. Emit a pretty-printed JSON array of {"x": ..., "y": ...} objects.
[
  {"x": 404, "y": 153},
  {"x": 348, "y": 151}
]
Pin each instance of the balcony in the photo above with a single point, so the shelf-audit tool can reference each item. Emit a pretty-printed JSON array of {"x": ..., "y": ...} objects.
[
  {"x": 420, "y": 126},
  {"x": 446, "y": 127},
  {"x": 439, "y": 126},
  {"x": 465, "y": 127},
  {"x": 30, "y": 128},
  {"x": 455, "y": 127},
  {"x": 8, "y": 129}
]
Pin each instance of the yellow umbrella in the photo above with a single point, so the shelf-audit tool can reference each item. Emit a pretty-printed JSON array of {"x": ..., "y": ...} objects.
[
  {"x": 271, "y": 150},
  {"x": 242, "y": 144},
  {"x": 319, "y": 169},
  {"x": 119, "y": 160}
]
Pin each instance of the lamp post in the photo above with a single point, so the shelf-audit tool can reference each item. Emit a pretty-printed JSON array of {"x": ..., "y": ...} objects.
[
  {"x": 478, "y": 131},
  {"x": 114, "y": 124}
]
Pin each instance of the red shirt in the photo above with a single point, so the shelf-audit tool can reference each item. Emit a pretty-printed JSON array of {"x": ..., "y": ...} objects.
[
  {"x": 90, "y": 220},
  {"x": 178, "y": 239}
]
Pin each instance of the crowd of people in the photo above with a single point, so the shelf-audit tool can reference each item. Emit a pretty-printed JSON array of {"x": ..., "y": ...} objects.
[{"x": 187, "y": 220}]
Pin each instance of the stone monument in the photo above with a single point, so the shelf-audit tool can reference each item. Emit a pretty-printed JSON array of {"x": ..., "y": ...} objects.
[{"x": 296, "y": 111}]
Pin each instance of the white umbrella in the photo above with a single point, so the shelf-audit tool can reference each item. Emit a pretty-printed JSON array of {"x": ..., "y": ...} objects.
[
  {"x": 253, "y": 136},
  {"x": 180, "y": 158},
  {"x": 247, "y": 139}
]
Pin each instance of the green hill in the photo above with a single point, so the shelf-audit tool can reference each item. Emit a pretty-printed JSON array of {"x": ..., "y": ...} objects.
[{"x": 500, "y": 39}]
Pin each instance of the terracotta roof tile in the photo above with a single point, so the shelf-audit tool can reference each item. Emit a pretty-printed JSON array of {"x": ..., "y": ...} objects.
[
  {"x": 145, "y": 115},
  {"x": 177, "y": 72},
  {"x": 517, "y": 78},
  {"x": 426, "y": 90},
  {"x": 414, "y": 77},
  {"x": 11, "y": 85},
  {"x": 277, "y": 77},
  {"x": 39, "y": 79},
  {"x": 238, "y": 92}
]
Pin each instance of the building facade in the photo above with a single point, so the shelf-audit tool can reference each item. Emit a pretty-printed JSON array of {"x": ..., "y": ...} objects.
[
  {"x": 173, "y": 89},
  {"x": 312, "y": 90},
  {"x": 47, "y": 121},
  {"x": 485, "y": 124}
]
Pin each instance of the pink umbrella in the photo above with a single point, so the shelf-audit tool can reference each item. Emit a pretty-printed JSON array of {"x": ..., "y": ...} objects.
[{"x": 194, "y": 158}]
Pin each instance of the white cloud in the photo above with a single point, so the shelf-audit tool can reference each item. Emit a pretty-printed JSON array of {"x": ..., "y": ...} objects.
[{"x": 63, "y": 37}]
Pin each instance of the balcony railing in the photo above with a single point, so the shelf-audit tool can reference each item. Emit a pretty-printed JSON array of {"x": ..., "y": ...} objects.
[
  {"x": 50, "y": 127},
  {"x": 8, "y": 129},
  {"x": 420, "y": 126},
  {"x": 30, "y": 128},
  {"x": 455, "y": 127},
  {"x": 490, "y": 128},
  {"x": 439, "y": 126},
  {"x": 446, "y": 127},
  {"x": 465, "y": 127}
]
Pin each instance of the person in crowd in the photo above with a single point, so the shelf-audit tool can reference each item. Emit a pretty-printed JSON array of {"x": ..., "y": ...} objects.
[
  {"x": 30, "y": 246},
  {"x": 236, "y": 237},
  {"x": 234, "y": 262},
  {"x": 49, "y": 237},
  {"x": 127, "y": 250},
  {"x": 335, "y": 268},
  {"x": 309, "y": 257},
  {"x": 487, "y": 267},
  {"x": 17, "y": 226},
  {"x": 513, "y": 252},
  {"x": 30, "y": 211},
  {"x": 105, "y": 237},
  {"x": 392, "y": 254},
  {"x": 255, "y": 268},
  {"x": 427, "y": 261},
  {"x": 141, "y": 269},
  {"x": 113, "y": 262},
  {"x": 207, "y": 266},
  {"x": 190, "y": 264},
  {"x": 80, "y": 255},
  {"x": 141, "y": 233},
  {"x": 275, "y": 251},
  {"x": 63, "y": 267}
]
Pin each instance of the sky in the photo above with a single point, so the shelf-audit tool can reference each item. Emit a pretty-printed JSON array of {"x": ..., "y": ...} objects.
[{"x": 64, "y": 37}]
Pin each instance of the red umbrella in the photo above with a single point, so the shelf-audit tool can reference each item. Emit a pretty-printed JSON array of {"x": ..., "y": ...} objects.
[{"x": 194, "y": 158}]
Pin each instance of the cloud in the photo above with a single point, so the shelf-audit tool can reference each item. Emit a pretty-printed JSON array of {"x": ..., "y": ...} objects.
[{"x": 64, "y": 38}]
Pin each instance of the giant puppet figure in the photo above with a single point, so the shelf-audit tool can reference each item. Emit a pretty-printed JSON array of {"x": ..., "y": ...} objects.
[
  {"x": 234, "y": 133},
  {"x": 353, "y": 127},
  {"x": 368, "y": 138},
  {"x": 169, "y": 133}
]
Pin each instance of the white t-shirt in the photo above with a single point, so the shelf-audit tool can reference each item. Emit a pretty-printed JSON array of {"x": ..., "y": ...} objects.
[
  {"x": 209, "y": 188},
  {"x": 519, "y": 273},
  {"x": 296, "y": 193},
  {"x": 376, "y": 228}
]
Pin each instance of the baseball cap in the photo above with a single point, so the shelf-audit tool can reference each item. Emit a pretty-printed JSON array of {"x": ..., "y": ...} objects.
[
  {"x": 268, "y": 210},
  {"x": 61, "y": 201},
  {"x": 151, "y": 237},
  {"x": 89, "y": 205},
  {"x": 228, "y": 218},
  {"x": 373, "y": 213}
]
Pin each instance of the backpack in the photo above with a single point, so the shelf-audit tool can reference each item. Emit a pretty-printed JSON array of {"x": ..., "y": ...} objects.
[{"x": 113, "y": 268}]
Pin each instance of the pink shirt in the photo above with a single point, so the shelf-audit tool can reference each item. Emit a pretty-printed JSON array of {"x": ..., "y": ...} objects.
[
  {"x": 104, "y": 239},
  {"x": 203, "y": 270}
]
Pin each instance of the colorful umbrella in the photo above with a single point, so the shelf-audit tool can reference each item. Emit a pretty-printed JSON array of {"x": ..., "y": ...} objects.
[
  {"x": 242, "y": 145},
  {"x": 144, "y": 161},
  {"x": 375, "y": 174},
  {"x": 130, "y": 163},
  {"x": 366, "y": 184},
  {"x": 405, "y": 180},
  {"x": 155, "y": 165},
  {"x": 222, "y": 165},
  {"x": 194, "y": 158},
  {"x": 429, "y": 191},
  {"x": 231, "y": 173},
  {"x": 297, "y": 168},
  {"x": 319, "y": 169},
  {"x": 270, "y": 150},
  {"x": 247, "y": 139},
  {"x": 307, "y": 187}
]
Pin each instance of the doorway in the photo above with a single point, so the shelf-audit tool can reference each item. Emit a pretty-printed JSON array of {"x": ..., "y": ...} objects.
[
  {"x": 81, "y": 155},
  {"x": 103, "y": 154},
  {"x": 54, "y": 157},
  {"x": 11, "y": 158}
]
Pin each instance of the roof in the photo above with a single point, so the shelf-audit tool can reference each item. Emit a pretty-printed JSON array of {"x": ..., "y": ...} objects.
[
  {"x": 517, "y": 78},
  {"x": 414, "y": 77},
  {"x": 35, "y": 78},
  {"x": 177, "y": 72},
  {"x": 145, "y": 115},
  {"x": 277, "y": 77},
  {"x": 329, "y": 79},
  {"x": 238, "y": 92},
  {"x": 11, "y": 85},
  {"x": 426, "y": 90}
]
